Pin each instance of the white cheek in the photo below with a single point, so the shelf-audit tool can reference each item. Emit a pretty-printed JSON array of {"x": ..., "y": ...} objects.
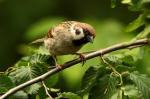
[
  {"x": 75, "y": 36},
  {"x": 72, "y": 30}
]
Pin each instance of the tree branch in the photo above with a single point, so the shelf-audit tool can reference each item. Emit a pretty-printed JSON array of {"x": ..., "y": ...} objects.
[{"x": 124, "y": 45}]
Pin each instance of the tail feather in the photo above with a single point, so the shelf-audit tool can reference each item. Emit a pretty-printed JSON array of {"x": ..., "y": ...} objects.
[{"x": 38, "y": 41}]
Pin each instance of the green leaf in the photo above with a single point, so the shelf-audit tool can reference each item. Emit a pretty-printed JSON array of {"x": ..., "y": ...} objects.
[
  {"x": 125, "y": 97},
  {"x": 114, "y": 59},
  {"x": 5, "y": 83},
  {"x": 42, "y": 59},
  {"x": 52, "y": 91},
  {"x": 126, "y": 1},
  {"x": 136, "y": 23},
  {"x": 142, "y": 82},
  {"x": 23, "y": 74},
  {"x": 104, "y": 88},
  {"x": 128, "y": 60},
  {"x": 121, "y": 62},
  {"x": 131, "y": 91},
  {"x": 90, "y": 78},
  {"x": 145, "y": 33},
  {"x": 113, "y": 3},
  {"x": 137, "y": 5},
  {"x": 30, "y": 67},
  {"x": 112, "y": 86},
  {"x": 19, "y": 95},
  {"x": 41, "y": 93},
  {"x": 3, "y": 90},
  {"x": 33, "y": 89},
  {"x": 36, "y": 58},
  {"x": 68, "y": 95}
]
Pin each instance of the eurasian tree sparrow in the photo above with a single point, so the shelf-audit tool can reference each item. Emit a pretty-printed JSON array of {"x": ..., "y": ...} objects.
[{"x": 68, "y": 37}]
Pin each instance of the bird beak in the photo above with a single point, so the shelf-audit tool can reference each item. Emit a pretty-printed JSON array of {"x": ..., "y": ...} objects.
[{"x": 90, "y": 38}]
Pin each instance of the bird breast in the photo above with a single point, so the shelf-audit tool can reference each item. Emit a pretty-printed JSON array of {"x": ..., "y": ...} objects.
[{"x": 61, "y": 44}]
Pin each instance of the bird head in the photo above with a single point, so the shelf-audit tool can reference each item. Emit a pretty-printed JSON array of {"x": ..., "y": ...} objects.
[{"x": 82, "y": 33}]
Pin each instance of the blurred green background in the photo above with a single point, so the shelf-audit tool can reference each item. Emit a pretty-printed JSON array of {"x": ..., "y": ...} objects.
[{"x": 22, "y": 21}]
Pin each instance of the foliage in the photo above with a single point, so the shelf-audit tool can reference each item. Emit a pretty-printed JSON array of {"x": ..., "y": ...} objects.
[
  {"x": 115, "y": 77},
  {"x": 68, "y": 95},
  {"x": 26, "y": 69},
  {"x": 142, "y": 83},
  {"x": 5, "y": 83}
]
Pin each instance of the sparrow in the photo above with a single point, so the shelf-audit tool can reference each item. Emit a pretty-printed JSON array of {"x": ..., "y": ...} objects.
[{"x": 68, "y": 38}]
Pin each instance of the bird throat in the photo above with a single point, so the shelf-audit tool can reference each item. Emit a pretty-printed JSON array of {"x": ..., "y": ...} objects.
[{"x": 80, "y": 41}]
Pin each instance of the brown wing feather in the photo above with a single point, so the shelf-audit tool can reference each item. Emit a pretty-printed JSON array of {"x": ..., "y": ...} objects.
[
  {"x": 66, "y": 24},
  {"x": 49, "y": 33}
]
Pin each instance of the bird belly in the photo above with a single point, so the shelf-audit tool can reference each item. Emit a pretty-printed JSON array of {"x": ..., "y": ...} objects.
[
  {"x": 64, "y": 50},
  {"x": 60, "y": 47}
]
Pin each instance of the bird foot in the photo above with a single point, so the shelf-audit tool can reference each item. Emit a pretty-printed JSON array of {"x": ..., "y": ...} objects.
[
  {"x": 82, "y": 58},
  {"x": 58, "y": 66}
]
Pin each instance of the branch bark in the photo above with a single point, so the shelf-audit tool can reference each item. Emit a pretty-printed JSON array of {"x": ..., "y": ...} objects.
[{"x": 119, "y": 46}]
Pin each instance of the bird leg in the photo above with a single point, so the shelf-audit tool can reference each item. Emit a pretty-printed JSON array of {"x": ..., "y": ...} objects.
[
  {"x": 82, "y": 57},
  {"x": 56, "y": 64}
]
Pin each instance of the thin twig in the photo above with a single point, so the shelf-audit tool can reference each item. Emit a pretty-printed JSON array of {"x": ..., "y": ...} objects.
[
  {"x": 46, "y": 90},
  {"x": 73, "y": 62},
  {"x": 113, "y": 69}
]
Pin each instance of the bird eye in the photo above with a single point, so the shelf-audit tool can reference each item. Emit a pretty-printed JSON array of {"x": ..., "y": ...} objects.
[{"x": 77, "y": 32}]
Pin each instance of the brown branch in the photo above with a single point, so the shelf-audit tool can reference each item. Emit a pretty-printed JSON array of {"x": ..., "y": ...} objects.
[{"x": 76, "y": 61}]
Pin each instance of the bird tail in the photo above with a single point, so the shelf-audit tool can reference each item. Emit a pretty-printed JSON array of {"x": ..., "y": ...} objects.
[{"x": 38, "y": 41}]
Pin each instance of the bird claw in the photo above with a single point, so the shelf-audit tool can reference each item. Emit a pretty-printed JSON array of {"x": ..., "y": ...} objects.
[
  {"x": 82, "y": 58},
  {"x": 58, "y": 66}
]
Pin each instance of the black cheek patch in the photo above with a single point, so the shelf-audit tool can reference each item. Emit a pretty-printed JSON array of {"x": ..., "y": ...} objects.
[{"x": 80, "y": 42}]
